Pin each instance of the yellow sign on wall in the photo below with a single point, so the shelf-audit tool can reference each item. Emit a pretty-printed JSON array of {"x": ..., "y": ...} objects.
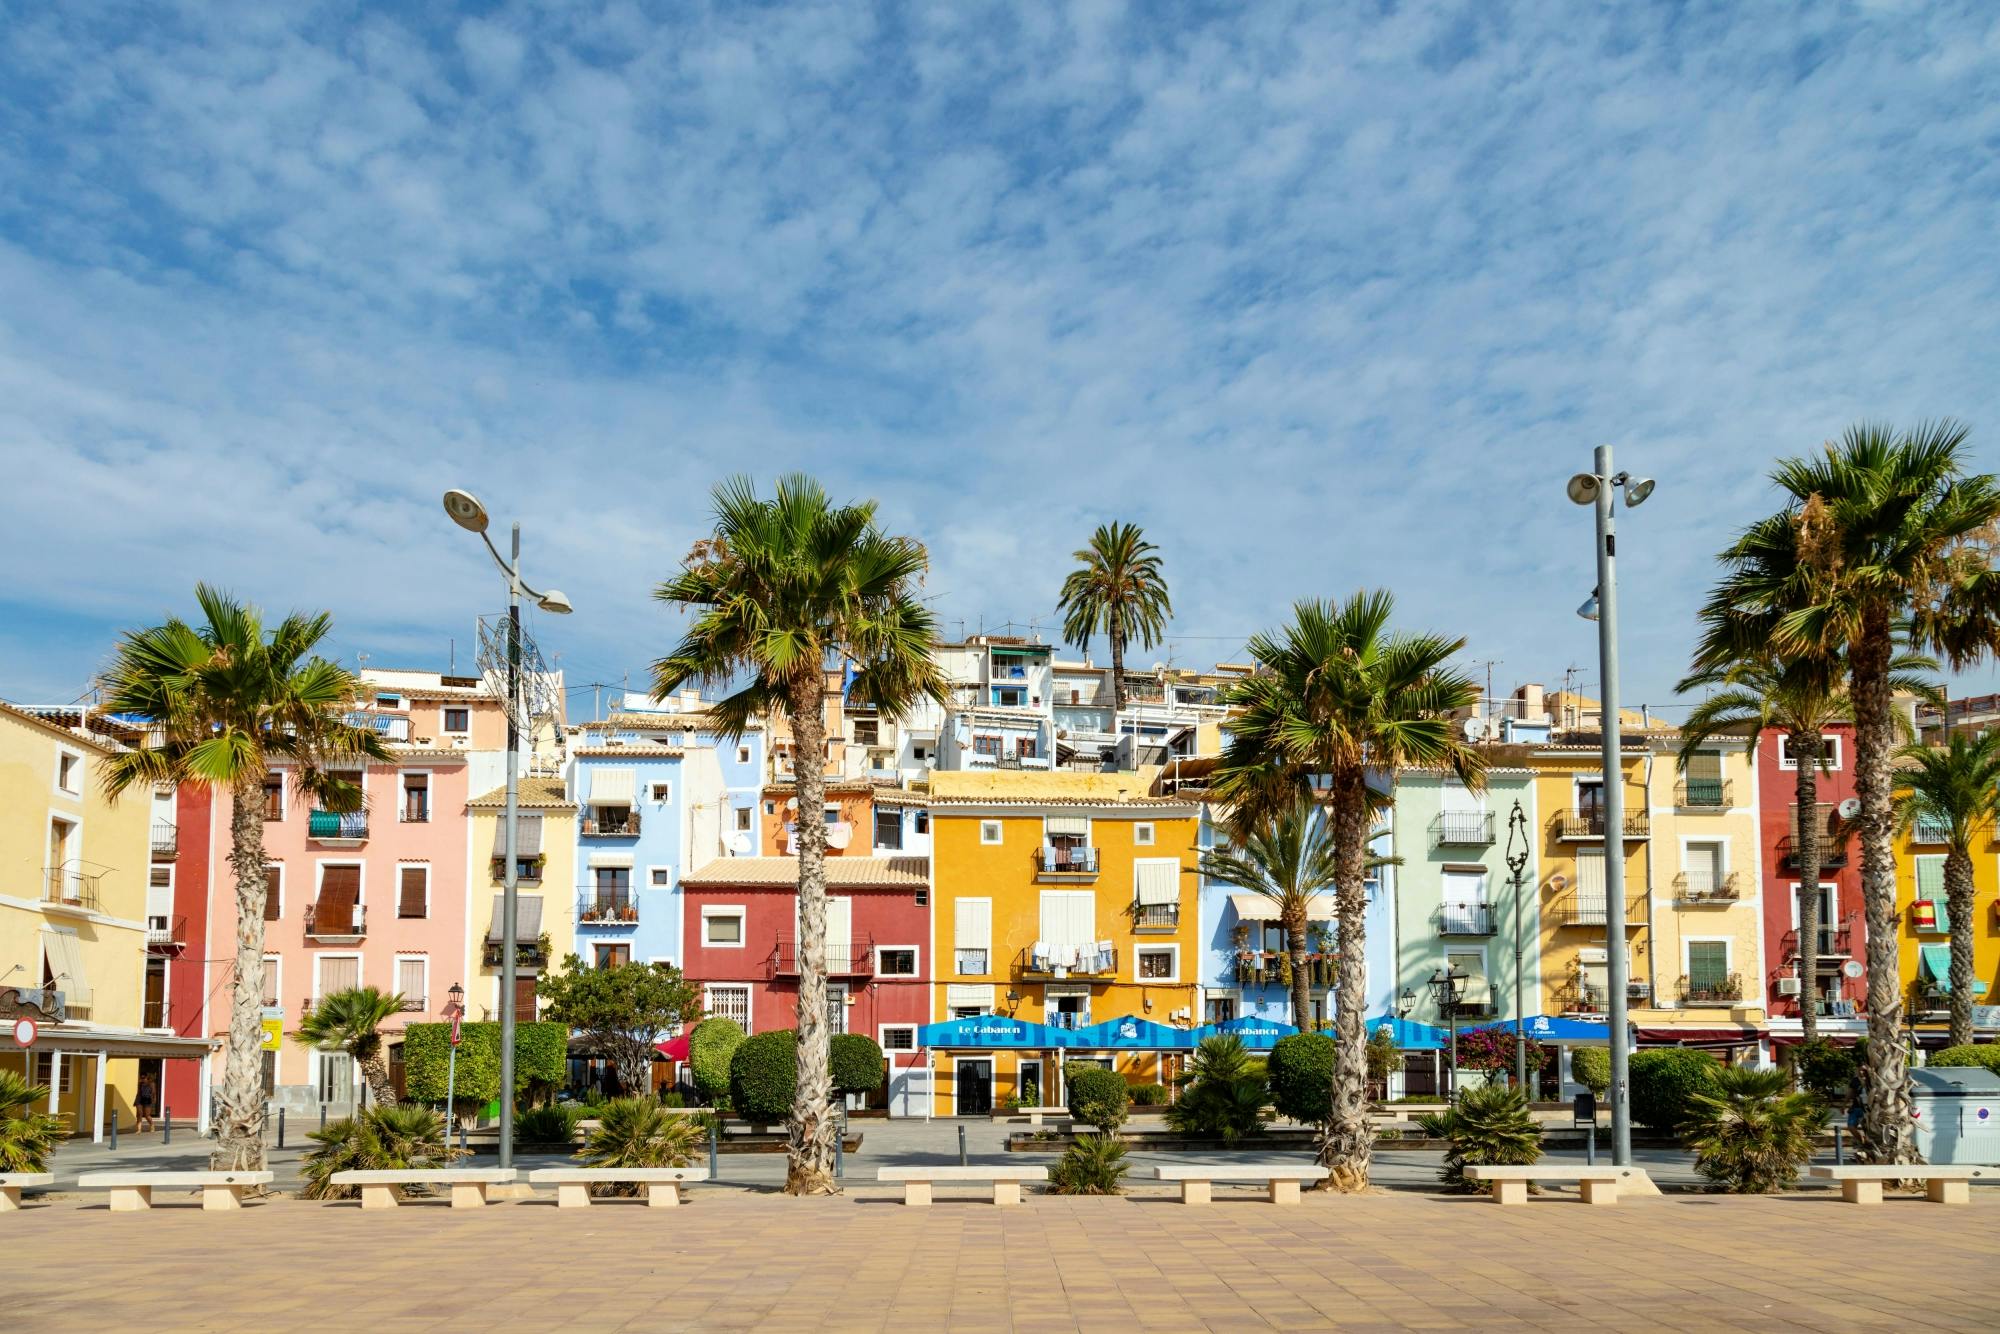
[{"x": 274, "y": 1034}]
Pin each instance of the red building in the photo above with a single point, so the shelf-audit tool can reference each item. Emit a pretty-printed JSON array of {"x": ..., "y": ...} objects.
[
  {"x": 1843, "y": 944},
  {"x": 187, "y": 964},
  {"x": 741, "y": 945}
]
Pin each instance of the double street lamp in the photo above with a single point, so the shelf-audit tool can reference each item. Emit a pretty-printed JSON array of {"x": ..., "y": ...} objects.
[
  {"x": 1447, "y": 984},
  {"x": 466, "y": 511}
]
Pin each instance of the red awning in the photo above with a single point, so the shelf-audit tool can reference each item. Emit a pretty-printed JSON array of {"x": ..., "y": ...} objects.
[
  {"x": 1699, "y": 1037},
  {"x": 675, "y": 1049}
]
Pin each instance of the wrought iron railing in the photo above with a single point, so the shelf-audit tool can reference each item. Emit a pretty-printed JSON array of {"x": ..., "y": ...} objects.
[
  {"x": 1465, "y": 919},
  {"x": 1068, "y": 961},
  {"x": 1711, "y": 990},
  {"x": 1590, "y": 824},
  {"x": 354, "y": 922},
  {"x": 1051, "y": 860},
  {"x": 857, "y": 960},
  {"x": 1156, "y": 916},
  {"x": 612, "y": 909},
  {"x": 1463, "y": 829},
  {"x": 170, "y": 935},
  {"x": 166, "y": 839},
  {"x": 71, "y": 885},
  {"x": 1706, "y": 889},
  {"x": 350, "y": 826},
  {"x": 1703, "y": 794},
  {"x": 611, "y": 822}
]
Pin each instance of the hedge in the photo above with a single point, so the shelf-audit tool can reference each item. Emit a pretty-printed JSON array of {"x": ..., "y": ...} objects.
[
  {"x": 764, "y": 1075},
  {"x": 1301, "y": 1075},
  {"x": 1826, "y": 1071},
  {"x": 1591, "y": 1067},
  {"x": 710, "y": 1047},
  {"x": 857, "y": 1063},
  {"x": 1097, "y": 1096},
  {"x": 1985, "y": 1054},
  {"x": 1149, "y": 1095},
  {"x": 541, "y": 1058},
  {"x": 1664, "y": 1082}
]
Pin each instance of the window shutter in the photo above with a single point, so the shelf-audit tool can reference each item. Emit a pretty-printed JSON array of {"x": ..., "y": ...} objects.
[
  {"x": 338, "y": 974},
  {"x": 65, "y": 964},
  {"x": 1478, "y": 991},
  {"x": 410, "y": 980},
  {"x": 1465, "y": 888},
  {"x": 339, "y": 890},
  {"x": 270, "y": 981},
  {"x": 1158, "y": 882},
  {"x": 273, "y": 894},
  {"x": 415, "y": 880},
  {"x": 1704, "y": 766},
  {"x": 1590, "y": 877},
  {"x": 839, "y": 932},
  {"x": 973, "y": 924},
  {"x": 1708, "y": 963}
]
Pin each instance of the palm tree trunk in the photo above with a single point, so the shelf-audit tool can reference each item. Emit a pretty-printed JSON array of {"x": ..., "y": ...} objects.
[
  {"x": 1349, "y": 1141},
  {"x": 375, "y": 1070},
  {"x": 810, "y": 1171},
  {"x": 1958, "y": 902},
  {"x": 1805, "y": 749},
  {"x": 1885, "y": 1121},
  {"x": 1117, "y": 665},
  {"x": 1295, "y": 942},
  {"x": 239, "y": 1107}
]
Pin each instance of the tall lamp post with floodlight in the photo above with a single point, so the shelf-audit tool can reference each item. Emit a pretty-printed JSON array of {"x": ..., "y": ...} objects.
[
  {"x": 1517, "y": 867},
  {"x": 1596, "y": 489},
  {"x": 466, "y": 511},
  {"x": 1447, "y": 984}
]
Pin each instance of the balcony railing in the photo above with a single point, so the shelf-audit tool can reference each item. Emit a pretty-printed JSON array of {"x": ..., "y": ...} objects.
[
  {"x": 527, "y": 953},
  {"x": 1462, "y": 829},
  {"x": 1703, "y": 794},
  {"x": 1832, "y": 852},
  {"x": 157, "y": 1014},
  {"x": 1711, "y": 991},
  {"x": 416, "y": 814},
  {"x": 337, "y": 827},
  {"x": 1061, "y": 961},
  {"x": 1069, "y": 1020},
  {"x": 166, "y": 937},
  {"x": 614, "y": 910},
  {"x": 611, "y": 822},
  {"x": 351, "y": 925},
  {"x": 1065, "y": 861},
  {"x": 1578, "y": 998},
  {"x": 528, "y": 870},
  {"x": 166, "y": 840},
  {"x": 1465, "y": 919},
  {"x": 1580, "y": 825},
  {"x": 415, "y": 1003},
  {"x": 1927, "y": 830},
  {"x": 1578, "y": 909},
  {"x": 71, "y": 886},
  {"x": 1706, "y": 891},
  {"x": 857, "y": 960},
  {"x": 1156, "y": 916},
  {"x": 1834, "y": 944}
]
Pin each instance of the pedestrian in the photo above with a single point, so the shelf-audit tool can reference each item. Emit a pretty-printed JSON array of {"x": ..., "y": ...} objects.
[{"x": 143, "y": 1103}]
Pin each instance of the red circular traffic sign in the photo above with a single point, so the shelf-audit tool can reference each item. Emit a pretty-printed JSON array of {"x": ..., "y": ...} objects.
[{"x": 24, "y": 1032}]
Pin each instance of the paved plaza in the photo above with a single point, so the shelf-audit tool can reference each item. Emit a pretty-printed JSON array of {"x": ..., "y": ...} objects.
[{"x": 743, "y": 1259}]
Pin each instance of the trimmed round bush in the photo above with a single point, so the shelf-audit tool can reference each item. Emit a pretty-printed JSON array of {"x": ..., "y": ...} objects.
[
  {"x": 1826, "y": 1071},
  {"x": 1985, "y": 1054},
  {"x": 763, "y": 1076},
  {"x": 710, "y": 1048},
  {"x": 1149, "y": 1095},
  {"x": 857, "y": 1063},
  {"x": 1664, "y": 1082},
  {"x": 1097, "y": 1097},
  {"x": 1591, "y": 1067},
  {"x": 1301, "y": 1074}
]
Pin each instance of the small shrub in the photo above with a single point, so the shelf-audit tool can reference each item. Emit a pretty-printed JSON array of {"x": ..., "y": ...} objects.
[
  {"x": 1750, "y": 1132},
  {"x": 1301, "y": 1069},
  {"x": 1591, "y": 1067},
  {"x": 552, "y": 1124},
  {"x": 857, "y": 1063},
  {"x": 763, "y": 1076},
  {"x": 1225, "y": 1096},
  {"x": 1665, "y": 1082},
  {"x": 1985, "y": 1054},
  {"x": 637, "y": 1132},
  {"x": 1093, "y": 1165},
  {"x": 710, "y": 1047},
  {"x": 1010, "y": 1103},
  {"x": 1826, "y": 1071},
  {"x": 1487, "y": 1127},
  {"x": 380, "y": 1139},
  {"x": 1097, "y": 1097},
  {"x": 28, "y": 1135},
  {"x": 1149, "y": 1095},
  {"x": 1382, "y": 1057},
  {"x": 672, "y": 1098}
]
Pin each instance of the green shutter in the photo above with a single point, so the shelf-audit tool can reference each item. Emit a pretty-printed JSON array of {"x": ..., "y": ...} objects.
[
  {"x": 1708, "y": 964},
  {"x": 1930, "y": 885}
]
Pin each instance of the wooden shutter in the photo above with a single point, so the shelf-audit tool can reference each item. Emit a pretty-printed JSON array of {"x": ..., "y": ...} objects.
[
  {"x": 338, "y": 973},
  {"x": 524, "y": 1000},
  {"x": 274, "y": 894},
  {"x": 339, "y": 890},
  {"x": 839, "y": 933},
  {"x": 410, "y": 981},
  {"x": 411, "y": 901}
]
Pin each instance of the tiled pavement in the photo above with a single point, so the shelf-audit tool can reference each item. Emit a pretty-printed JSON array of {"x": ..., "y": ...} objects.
[{"x": 739, "y": 1260}]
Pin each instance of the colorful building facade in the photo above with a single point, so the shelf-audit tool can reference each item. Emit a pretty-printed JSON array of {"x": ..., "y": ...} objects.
[
  {"x": 1924, "y": 925},
  {"x": 544, "y": 909},
  {"x": 1842, "y": 945}
]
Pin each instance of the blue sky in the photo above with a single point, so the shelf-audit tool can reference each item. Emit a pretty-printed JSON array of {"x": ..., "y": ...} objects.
[{"x": 1321, "y": 299}]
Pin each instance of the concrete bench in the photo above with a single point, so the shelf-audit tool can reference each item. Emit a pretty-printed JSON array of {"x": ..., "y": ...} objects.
[
  {"x": 11, "y": 1184},
  {"x": 917, "y": 1181},
  {"x": 1862, "y": 1183},
  {"x": 573, "y": 1184},
  {"x": 133, "y": 1191},
  {"x": 1197, "y": 1179},
  {"x": 1597, "y": 1185},
  {"x": 382, "y": 1188}
]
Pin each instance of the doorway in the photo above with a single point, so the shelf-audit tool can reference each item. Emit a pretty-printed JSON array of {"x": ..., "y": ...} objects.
[
  {"x": 1028, "y": 1084},
  {"x": 973, "y": 1082}
]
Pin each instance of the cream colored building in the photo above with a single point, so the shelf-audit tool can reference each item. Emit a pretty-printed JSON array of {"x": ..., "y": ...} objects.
[{"x": 546, "y": 892}]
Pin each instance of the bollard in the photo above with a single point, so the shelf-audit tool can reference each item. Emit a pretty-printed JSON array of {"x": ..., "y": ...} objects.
[
  {"x": 714, "y": 1173},
  {"x": 322, "y": 1116},
  {"x": 1838, "y": 1156},
  {"x": 114, "y": 1128},
  {"x": 281, "y": 1124},
  {"x": 961, "y": 1146},
  {"x": 1590, "y": 1146},
  {"x": 839, "y": 1153},
  {"x": 166, "y": 1123}
]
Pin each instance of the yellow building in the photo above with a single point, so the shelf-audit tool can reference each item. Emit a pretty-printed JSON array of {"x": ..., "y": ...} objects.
[
  {"x": 1569, "y": 794},
  {"x": 1923, "y": 927},
  {"x": 1703, "y": 966},
  {"x": 1061, "y": 898},
  {"x": 545, "y": 914},
  {"x": 74, "y": 869}
]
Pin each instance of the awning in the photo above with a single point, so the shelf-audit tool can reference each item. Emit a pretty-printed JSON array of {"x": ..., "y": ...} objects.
[
  {"x": 1407, "y": 1034},
  {"x": 1160, "y": 882},
  {"x": 527, "y": 917},
  {"x": 1555, "y": 1028},
  {"x": 1937, "y": 962},
  {"x": 527, "y": 837},
  {"x": 993, "y": 1031},
  {"x": 1254, "y": 1033},
  {"x": 611, "y": 787},
  {"x": 675, "y": 1049},
  {"x": 1067, "y": 826},
  {"x": 1263, "y": 908},
  {"x": 1708, "y": 1035},
  {"x": 611, "y": 860},
  {"x": 119, "y": 1042},
  {"x": 1134, "y": 1034},
  {"x": 960, "y": 994},
  {"x": 65, "y": 955}
]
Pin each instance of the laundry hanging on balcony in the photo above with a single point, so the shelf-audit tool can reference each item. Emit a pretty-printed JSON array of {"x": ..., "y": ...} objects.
[{"x": 1090, "y": 957}]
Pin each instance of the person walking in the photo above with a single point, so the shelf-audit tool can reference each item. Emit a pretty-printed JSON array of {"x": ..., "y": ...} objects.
[{"x": 143, "y": 1104}]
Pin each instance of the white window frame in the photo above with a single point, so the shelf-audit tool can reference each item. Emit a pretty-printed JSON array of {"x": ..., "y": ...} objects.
[
  {"x": 403, "y": 777},
  {"x": 76, "y": 771},
  {"x": 770, "y": 808},
  {"x": 746, "y": 820},
  {"x": 396, "y": 963},
  {"x": 708, "y": 990},
  {"x": 280, "y": 868},
  {"x": 388, "y": 699},
  {"x": 360, "y": 968},
  {"x": 1728, "y": 944},
  {"x": 284, "y": 794},
  {"x": 425, "y": 867},
  {"x": 653, "y": 791},
  {"x": 361, "y": 884},
  {"x": 445, "y": 728},
  {"x": 916, "y": 963},
  {"x": 1140, "y": 950},
  {"x": 1144, "y": 835},
  {"x": 1829, "y": 763},
  {"x": 995, "y": 829},
  {"x": 1708, "y": 841},
  {"x": 882, "y": 1032},
  {"x": 736, "y": 910},
  {"x": 652, "y": 871},
  {"x": 743, "y": 754},
  {"x": 277, "y": 980}
]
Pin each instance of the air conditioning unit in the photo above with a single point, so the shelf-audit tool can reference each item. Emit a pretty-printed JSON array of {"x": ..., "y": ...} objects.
[
  {"x": 1593, "y": 954},
  {"x": 1788, "y": 986},
  {"x": 1638, "y": 990}
]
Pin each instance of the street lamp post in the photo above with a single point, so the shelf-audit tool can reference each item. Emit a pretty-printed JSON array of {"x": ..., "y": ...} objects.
[
  {"x": 1447, "y": 984},
  {"x": 466, "y": 511},
  {"x": 454, "y": 1009},
  {"x": 1596, "y": 490},
  {"x": 1517, "y": 866}
]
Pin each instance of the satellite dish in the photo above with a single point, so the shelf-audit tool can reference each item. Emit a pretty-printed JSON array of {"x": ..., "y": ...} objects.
[
  {"x": 1474, "y": 729},
  {"x": 1850, "y": 808},
  {"x": 1852, "y": 968},
  {"x": 740, "y": 845}
]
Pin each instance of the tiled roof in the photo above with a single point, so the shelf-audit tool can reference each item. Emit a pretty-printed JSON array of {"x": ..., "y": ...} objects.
[
  {"x": 887, "y": 872},
  {"x": 58, "y": 726},
  {"x": 642, "y": 748},
  {"x": 974, "y": 787},
  {"x": 535, "y": 794}
]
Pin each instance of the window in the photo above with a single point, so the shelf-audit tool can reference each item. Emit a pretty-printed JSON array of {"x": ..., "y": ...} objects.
[
  {"x": 271, "y": 971},
  {"x": 389, "y": 701},
  {"x": 922, "y": 823},
  {"x": 743, "y": 754},
  {"x": 889, "y": 829},
  {"x": 413, "y": 983},
  {"x": 896, "y": 961},
  {"x": 986, "y": 745},
  {"x": 1158, "y": 963},
  {"x": 722, "y": 925},
  {"x": 1927, "y": 910},
  {"x": 1707, "y": 966},
  {"x": 743, "y": 819},
  {"x": 45, "y": 1070},
  {"x": 1590, "y": 798},
  {"x": 334, "y": 973},
  {"x": 923, "y": 898},
  {"x": 971, "y": 963},
  {"x": 1829, "y": 753},
  {"x": 1142, "y": 835},
  {"x": 968, "y": 1012},
  {"x": 69, "y": 772},
  {"x": 728, "y": 1001},
  {"x": 274, "y": 796},
  {"x": 831, "y": 815},
  {"x": 770, "y": 808},
  {"x": 413, "y": 891},
  {"x": 458, "y": 720},
  {"x": 1025, "y": 748},
  {"x": 661, "y": 793},
  {"x": 274, "y": 893},
  {"x": 1219, "y": 1009},
  {"x": 614, "y": 886},
  {"x": 660, "y": 877},
  {"x": 989, "y": 831},
  {"x": 612, "y": 956},
  {"x": 160, "y": 877},
  {"x": 898, "y": 1037},
  {"x": 1702, "y": 865},
  {"x": 972, "y": 936},
  {"x": 416, "y": 798}
]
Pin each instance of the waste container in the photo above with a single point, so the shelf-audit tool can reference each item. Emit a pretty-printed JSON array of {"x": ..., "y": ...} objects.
[{"x": 1957, "y": 1114}]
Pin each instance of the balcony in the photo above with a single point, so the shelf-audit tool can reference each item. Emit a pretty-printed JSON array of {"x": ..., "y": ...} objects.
[
  {"x": 1581, "y": 998},
  {"x": 1832, "y": 853},
  {"x": 857, "y": 960},
  {"x": 1584, "y": 826},
  {"x": 1705, "y": 892},
  {"x": 1258, "y": 968},
  {"x": 337, "y": 829},
  {"x": 1930, "y": 830},
  {"x": 165, "y": 937},
  {"x": 1059, "y": 863},
  {"x": 527, "y": 870},
  {"x": 71, "y": 886},
  {"x": 527, "y": 953},
  {"x": 1578, "y": 909},
  {"x": 344, "y": 926},
  {"x": 1703, "y": 794},
  {"x": 1465, "y": 919},
  {"x": 1834, "y": 944},
  {"x": 1069, "y": 1020},
  {"x": 611, "y": 822},
  {"x": 413, "y": 1004},
  {"x": 1462, "y": 829},
  {"x": 1061, "y": 961},
  {"x": 156, "y": 1014},
  {"x": 1156, "y": 916},
  {"x": 615, "y": 910},
  {"x": 166, "y": 841},
  {"x": 1711, "y": 990},
  {"x": 415, "y": 814}
]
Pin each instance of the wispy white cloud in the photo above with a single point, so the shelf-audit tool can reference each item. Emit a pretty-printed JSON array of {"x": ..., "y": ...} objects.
[{"x": 1322, "y": 302}]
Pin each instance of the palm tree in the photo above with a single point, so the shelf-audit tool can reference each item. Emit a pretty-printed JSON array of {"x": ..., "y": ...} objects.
[
  {"x": 226, "y": 700},
  {"x": 1289, "y": 859},
  {"x": 1883, "y": 537},
  {"x": 782, "y": 591},
  {"x": 1336, "y": 697},
  {"x": 28, "y": 1135},
  {"x": 1955, "y": 786},
  {"x": 1801, "y": 695},
  {"x": 1118, "y": 590},
  {"x": 351, "y": 1021}
]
